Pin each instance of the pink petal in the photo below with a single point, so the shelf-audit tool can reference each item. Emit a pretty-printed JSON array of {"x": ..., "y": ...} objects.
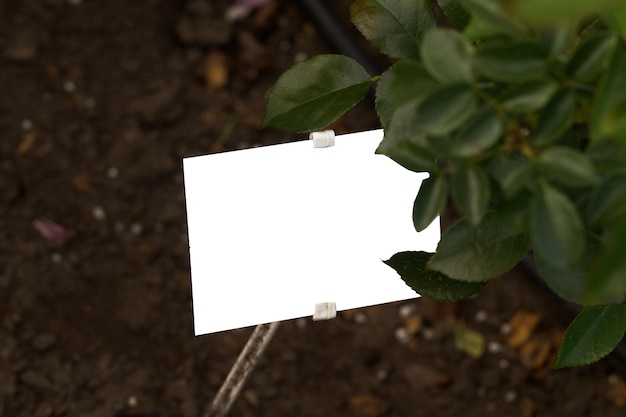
[
  {"x": 243, "y": 8},
  {"x": 52, "y": 231}
]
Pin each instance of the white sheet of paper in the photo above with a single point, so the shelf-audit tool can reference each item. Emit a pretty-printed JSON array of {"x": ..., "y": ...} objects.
[{"x": 277, "y": 229}]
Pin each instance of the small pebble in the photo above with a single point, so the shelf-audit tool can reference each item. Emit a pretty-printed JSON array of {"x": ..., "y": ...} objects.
[
  {"x": 504, "y": 363},
  {"x": 510, "y": 396},
  {"x": 132, "y": 401},
  {"x": 494, "y": 347},
  {"x": 56, "y": 258},
  {"x": 382, "y": 374},
  {"x": 480, "y": 316},
  {"x": 300, "y": 56},
  {"x": 98, "y": 213},
  {"x": 505, "y": 328},
  {"x": 402, "y": 335},
  {"x": 136, "y": 228},
  {"x": 360, "y": 318},
  {"x": 113, "y": 172},
  {"x": 406, "y": 311},
  {"x": 69, "y": 86},
  {"x": 428, "y": 333},
  {"x": 27, "y": 124},
  {"x": 613, "y": 379}
]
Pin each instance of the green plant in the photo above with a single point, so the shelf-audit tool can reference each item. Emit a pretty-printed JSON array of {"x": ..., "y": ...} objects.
[{"x": 517, "y": 110}]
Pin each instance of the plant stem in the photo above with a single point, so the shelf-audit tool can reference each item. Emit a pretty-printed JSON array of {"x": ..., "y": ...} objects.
[{"x": 241, "y": 370}]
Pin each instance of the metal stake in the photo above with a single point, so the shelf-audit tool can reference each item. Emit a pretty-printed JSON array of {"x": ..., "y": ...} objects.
[{"x": 241, "y": 370}]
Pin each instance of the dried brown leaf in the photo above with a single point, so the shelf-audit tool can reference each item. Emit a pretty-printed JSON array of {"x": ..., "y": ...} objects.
[
  {"x": 215, "y": 70},
  {"x": 81, "y": 182},
  {"x": 617, "y": 393},
  {"x": 523, "y": 325},
  {"x": 536, "y": 353},
  {"x": 26, "y": 143},
  {"x": 364, "y": 405},
  {"x": 413, "y": 324},
  {"x": 527, "y": 407}
]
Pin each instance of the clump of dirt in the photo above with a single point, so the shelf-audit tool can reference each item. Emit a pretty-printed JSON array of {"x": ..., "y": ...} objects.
[{"x": 100, "y": 102}]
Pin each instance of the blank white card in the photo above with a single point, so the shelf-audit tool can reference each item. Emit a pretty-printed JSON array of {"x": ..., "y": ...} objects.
[{"x": 275, "y": 230}]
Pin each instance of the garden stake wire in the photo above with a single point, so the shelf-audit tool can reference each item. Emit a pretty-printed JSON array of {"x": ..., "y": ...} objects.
[{"x": 241, "y": 370}]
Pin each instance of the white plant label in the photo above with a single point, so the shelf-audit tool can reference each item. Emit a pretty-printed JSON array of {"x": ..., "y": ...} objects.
[{"x": 276, "y": 230}]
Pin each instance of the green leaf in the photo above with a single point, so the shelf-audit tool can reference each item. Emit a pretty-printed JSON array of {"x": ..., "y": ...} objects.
[
  {"x": 542, "y": 12},
  {"x": 607, "y": 280},
  {"x": 607, "y": 156},
  {"x": 591, "y": 26},
  {"x": 514, "y": 212},
  {"x": 446, "y": 109},
  {"x": 528, "y": 96},
  {"x": 557, "y": 39},
  {"x": 471, "y": 192},
  {"x": 617, "y": 20},
  {"x": 593, "y": 334},
  {"x": 479, "y": 30},
  {"x": 412, "y": 267},
  {"x": 555, "y": 119},
  {"x": 557, "y": 232},
  {"x": 453, "y": 11},
  {"x": 409, "y": 155},
  {"x": 591, "y": 57},
  {"x": 615, "y": 122},
  {"x": 404, "y": 144},
  {"x": 312, "y": 94},
  {"x": 480, "y": 134},
  {"x": 514, "y": 62},
  {"x": 447, "y": 56},
  {"x": 468, "y": 341},
  {"x": 608, "y": 201},
  {"x": 608, "y": 116},
  {"x": 511, "y": 172},
  {"x": 395, "y": 27},
  {"x": 492, "y": 13},
  {"x": 567, "y": 166},
  {"x": 430, "y": 201},
  {"x": 570, "y": 283},
  {"x": 405, "y": 81},
  {"x": 478, "y": 253}
]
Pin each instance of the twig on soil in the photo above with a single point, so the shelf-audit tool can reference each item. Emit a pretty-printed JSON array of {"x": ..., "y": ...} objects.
[{"x": 241, "y": 370}]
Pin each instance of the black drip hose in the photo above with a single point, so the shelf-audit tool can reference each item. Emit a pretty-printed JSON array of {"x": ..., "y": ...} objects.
[
  {"x": 344, "y": 41},
  {"x": 337, "y": 35}
]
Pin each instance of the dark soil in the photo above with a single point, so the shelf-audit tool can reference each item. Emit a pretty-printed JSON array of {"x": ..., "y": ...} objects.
[{"x": 99, "y": 102}]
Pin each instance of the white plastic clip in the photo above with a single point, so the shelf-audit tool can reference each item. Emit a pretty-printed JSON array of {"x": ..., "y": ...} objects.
[
  {"x": 325, "y": 311},
  {"x": 323, "y": 139}
]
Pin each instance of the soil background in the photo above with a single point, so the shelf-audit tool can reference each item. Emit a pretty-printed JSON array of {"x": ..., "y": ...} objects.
[{"x": 99, "y": 102}]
